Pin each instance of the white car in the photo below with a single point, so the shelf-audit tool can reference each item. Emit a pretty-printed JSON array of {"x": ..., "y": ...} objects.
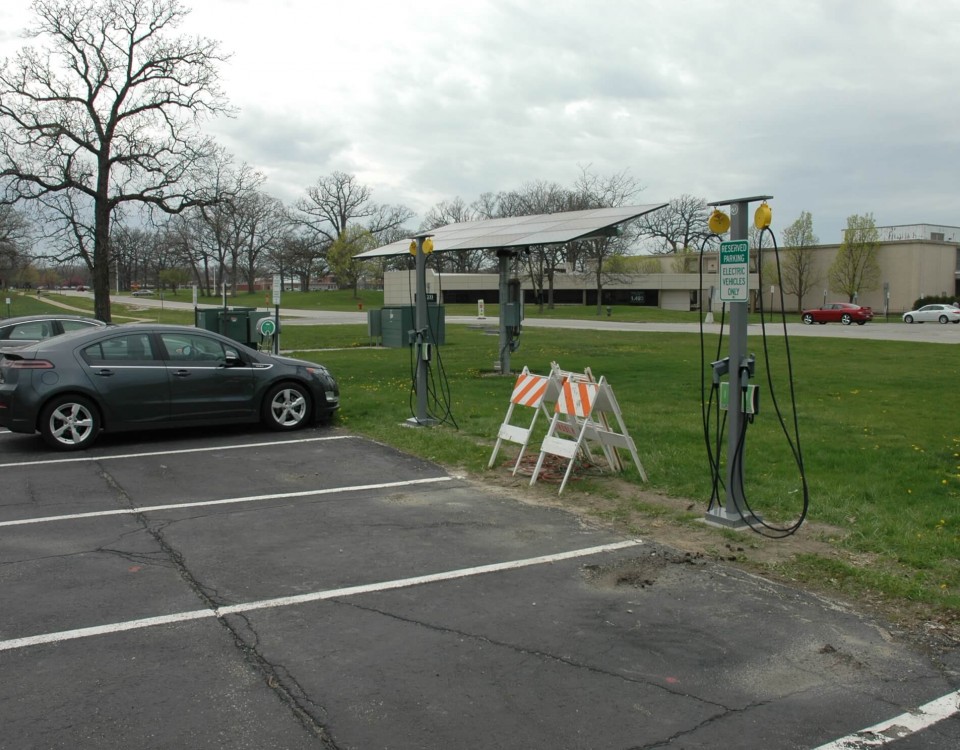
[
  {"x": 143, "y": 293},
  {"x": 933, "y": 314}
]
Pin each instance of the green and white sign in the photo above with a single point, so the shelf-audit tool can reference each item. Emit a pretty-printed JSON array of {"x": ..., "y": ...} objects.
[
  {"x": 734, "y": 271},
  {"x": 267, "y": 327}
]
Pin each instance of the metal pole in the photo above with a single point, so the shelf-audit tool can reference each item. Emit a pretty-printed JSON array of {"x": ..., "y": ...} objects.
[
  {"x": 735, "y": 508},
  {"x": 504, "y": 256},
  {"x": 421, "y": 329},
  {"x": 738, "y": 354}
]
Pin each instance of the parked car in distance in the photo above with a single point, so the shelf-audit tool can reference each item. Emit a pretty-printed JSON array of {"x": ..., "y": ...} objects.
[
  {"x": 143, "y": 293},
  {"x": 838, "y": 312},
  {"x": 933, "y": 314},
  {"x": 148, "y": 376},
  {"x": 29, "y": 329}
]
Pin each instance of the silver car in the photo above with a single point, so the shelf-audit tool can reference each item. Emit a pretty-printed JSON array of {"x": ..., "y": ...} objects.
[
  {"x": 933, "y": 314},
  {"x": 29, "y": 329}
]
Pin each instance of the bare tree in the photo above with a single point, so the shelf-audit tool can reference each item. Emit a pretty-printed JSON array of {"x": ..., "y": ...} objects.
[
  {"x": 798, "y": 273},
  {"x": 681, "y": 224},
  {"x": 454, "y": 212},
  {"x": 855, "y": 268},
  {"x": 339, "y": 200},
  {"x": 108, "y": 114},
  {"x": 595, "y": 191},
  {"x": 15, "y": 241},
  {"x": 541, "y": 261}
]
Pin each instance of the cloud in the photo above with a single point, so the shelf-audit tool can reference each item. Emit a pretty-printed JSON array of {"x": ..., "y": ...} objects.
[{"x": 833, "y": 108}]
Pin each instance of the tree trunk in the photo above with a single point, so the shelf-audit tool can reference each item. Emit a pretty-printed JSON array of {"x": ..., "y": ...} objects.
[{"x": 101, "y": 252}]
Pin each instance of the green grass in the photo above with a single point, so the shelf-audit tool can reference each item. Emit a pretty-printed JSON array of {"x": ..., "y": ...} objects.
[{"x": 878, "y": 432}]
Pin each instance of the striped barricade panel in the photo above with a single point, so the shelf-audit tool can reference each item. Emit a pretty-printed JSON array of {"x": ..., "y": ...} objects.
[{"x": 530, "y": 390}]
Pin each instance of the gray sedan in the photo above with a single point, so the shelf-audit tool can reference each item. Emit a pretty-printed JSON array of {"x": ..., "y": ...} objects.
[{"x": 136, "y": 377}]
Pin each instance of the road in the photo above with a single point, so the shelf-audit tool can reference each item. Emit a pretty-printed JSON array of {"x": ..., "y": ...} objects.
[{"x": 932, "y": 333}]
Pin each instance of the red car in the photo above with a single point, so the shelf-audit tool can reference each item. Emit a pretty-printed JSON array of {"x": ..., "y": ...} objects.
[{"x": 838, "y": 312}]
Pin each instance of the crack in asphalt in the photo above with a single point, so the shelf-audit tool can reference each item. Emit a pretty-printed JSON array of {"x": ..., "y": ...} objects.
[
  {"x": 530, "y": 652},
  {"x": 277, "y": 678}
]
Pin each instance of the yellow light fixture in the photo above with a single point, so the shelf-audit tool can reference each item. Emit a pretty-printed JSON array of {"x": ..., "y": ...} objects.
[
  {"x": 413, "y": 247},
  {"x": 763, "y": 216},
  {"x": 428, "y": 246},
  {"x": 718, "y": 222}
]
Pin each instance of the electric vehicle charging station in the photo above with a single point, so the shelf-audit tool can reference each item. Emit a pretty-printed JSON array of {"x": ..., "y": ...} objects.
[
  {"x": 421, "y": 246},
  {"x": 734, "y": 278},
  {"x": 505, "y": 236}
]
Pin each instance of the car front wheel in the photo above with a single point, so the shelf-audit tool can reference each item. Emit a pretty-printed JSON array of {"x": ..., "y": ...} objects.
[
  {"x": 808, "y": 319},
  {"x": 69, "y": 423},
  {"x": 286, "y": 407},
  {"x": 907, "y": 318},
  {"x": 846, "y": 319}
]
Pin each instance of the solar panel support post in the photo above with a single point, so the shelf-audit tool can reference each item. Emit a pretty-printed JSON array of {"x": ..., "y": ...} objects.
[
  {"x": 420, "y": 339},
  {"x": 504, "y": 257},
  {"x": 734, "y": 513}
]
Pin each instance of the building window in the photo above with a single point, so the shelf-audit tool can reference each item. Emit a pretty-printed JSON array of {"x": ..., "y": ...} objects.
[{"x": 936, "y": 236}]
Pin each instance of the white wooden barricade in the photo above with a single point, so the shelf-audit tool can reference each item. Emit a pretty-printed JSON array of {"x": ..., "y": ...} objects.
[
  {"x": 531, "y": 391},
  {"x": 585, "y": 401}
]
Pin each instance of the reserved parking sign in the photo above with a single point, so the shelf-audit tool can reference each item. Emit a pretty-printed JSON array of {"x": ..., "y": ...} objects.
[{"x": 734, "y": 271}]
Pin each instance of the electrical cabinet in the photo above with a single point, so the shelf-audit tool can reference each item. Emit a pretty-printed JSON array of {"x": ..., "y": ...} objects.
[{"x": 396, "y": 323}]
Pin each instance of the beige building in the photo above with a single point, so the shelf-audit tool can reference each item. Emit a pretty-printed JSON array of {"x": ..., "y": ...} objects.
[{"x": 915, "y": 260}]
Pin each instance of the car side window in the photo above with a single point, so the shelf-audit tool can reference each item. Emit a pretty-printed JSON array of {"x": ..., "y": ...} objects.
[
  {"x": 75, "y": 325},
  {"x": 32, "y": 331},
  {"x": 133, "y": 347},
  {"x": 196, "y": 350}
]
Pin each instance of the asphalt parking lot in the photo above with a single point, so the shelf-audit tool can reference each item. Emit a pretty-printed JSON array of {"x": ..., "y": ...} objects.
[{"x": 234, "y": 588}]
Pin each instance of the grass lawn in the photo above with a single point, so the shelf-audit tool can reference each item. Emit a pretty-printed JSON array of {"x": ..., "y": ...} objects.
[{"x": 878, "y": 434}]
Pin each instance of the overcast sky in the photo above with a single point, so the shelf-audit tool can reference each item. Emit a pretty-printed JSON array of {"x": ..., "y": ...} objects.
[{"x": 836, "y": 107}]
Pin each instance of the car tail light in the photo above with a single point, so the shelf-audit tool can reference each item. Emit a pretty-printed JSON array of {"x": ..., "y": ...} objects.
[{"x": 29, "y": 364}]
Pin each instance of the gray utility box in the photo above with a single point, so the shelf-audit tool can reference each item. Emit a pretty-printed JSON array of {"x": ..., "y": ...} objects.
[
  {"x": 237, "y": 323},
  {"x": 397, "y": 322}
]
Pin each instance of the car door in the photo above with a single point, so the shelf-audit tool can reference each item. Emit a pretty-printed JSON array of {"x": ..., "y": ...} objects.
[
  {"x": 130, "y": 378},
  {"x": 204, "y": 384},
  {"x": 929, "y": 313}
]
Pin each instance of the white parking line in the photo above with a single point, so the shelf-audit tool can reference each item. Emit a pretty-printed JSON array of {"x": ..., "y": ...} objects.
[
  {"x": 899, "y": 727},
  {"x": 226, "y": 501},
  {"x": 286, "y": 601},
  {"x": 83, "y": 459}
]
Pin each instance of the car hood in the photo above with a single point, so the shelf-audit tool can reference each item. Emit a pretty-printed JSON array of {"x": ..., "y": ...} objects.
[{"x": 295, "y": 362}]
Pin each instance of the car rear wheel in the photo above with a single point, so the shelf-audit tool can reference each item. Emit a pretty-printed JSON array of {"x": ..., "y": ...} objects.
[
  {"x": 69, "y": 423},
  {"x": 907, "y": 318},
  {"x": 808, "y": 319},
  {"x": 943, "y": 319},
  {"x": 846, "y": 319},
  {"x": 286, "y": 407}
]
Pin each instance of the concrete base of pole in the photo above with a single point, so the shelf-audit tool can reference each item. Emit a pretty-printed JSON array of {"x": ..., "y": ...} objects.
[
  {"x": 721, "y": 518},
  {"x": 426, "y": 422}
]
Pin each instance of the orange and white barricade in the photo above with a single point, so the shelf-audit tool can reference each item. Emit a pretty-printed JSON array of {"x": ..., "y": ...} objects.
[
  {"x": 585, "y": 403},
  {"x": 531, "y": 391}
]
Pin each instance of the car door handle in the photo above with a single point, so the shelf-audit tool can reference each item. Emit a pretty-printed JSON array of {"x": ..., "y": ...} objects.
[
  {"x": 181, "y": 373},
  {"x": 105, "y": 373}
]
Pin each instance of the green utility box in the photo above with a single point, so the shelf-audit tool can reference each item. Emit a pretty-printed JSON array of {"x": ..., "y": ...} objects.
[
  {"x": 397, "y": 322},
  {"x": 237, "y": 323},
  {"x": 208, "y": 319}
]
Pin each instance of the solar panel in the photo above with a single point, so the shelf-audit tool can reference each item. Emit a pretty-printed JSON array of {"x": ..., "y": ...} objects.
[{"x": 520, "y": 231}]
